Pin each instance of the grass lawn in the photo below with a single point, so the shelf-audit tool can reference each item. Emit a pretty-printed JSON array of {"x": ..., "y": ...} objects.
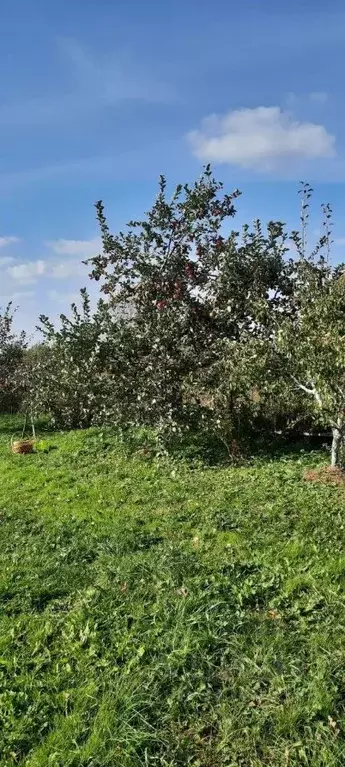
[{"x": 156, "y": 614}]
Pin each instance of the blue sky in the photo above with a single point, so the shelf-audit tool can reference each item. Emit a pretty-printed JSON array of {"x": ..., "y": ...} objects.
[{"x": 98, "y": 99}]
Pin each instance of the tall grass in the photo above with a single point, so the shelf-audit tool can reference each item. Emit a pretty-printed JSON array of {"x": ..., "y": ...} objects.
[{"x": 151, "y": 614}]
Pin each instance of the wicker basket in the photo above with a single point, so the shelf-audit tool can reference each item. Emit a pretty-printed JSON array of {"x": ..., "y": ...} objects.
[{"x": 22, "y": 445}]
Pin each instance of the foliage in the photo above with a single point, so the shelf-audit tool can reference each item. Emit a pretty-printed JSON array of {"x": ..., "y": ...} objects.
[
  {"x": 202, "y": 327},
  {"x": 155, "y": 615},
  {"x": 67, "y": 377},
  {"x": 12, "y": 348},
  {"x": 161, "y": 269},
  {"x": 309, "y": 341},
  {"x": 190, "y": 288}
]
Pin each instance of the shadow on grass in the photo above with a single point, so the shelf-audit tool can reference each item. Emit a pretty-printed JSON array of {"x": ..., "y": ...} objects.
[
  {"x": 210, "y": 451},
  {"x": 195, "y": 447},
  {"x": 13, "y": 424},
  {"x": 289, "y": 445}
]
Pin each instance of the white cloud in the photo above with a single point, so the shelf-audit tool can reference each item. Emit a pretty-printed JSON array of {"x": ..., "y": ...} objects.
[
  {"x": 6, "y": 260},
  {"x": 17, "y": 299},
  {"x": 27, "y": 272},
  {"x": 82, "y": 248},
  {"x": 8, "y": 241},
  {"x": 65, "y": 269},
  {"x": 64, "y": 298},
  {"x": 261, "y": 139}
]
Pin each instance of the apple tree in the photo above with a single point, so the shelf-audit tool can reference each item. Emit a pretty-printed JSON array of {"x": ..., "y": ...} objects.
[{"x": 191, "y": 285}]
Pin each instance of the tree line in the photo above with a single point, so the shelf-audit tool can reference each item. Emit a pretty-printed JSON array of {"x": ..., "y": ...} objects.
[{"x": 198, "y": 326}]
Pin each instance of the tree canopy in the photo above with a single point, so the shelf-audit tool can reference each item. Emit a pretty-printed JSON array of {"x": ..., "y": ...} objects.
[{"x": 199, "y": 324}]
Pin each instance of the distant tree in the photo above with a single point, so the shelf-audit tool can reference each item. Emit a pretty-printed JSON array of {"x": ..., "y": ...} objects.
[
  {"x": 12, "y": 348},
  {"x": 67, "y": 376}
]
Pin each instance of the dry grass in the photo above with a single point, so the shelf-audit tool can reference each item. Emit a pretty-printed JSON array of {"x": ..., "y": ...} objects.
[{"x": 326, "y": 475}]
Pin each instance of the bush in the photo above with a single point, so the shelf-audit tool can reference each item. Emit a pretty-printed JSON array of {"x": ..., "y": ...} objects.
[
  {"x": 12, "y": 349},
  {"x": 67, "y": 376}
]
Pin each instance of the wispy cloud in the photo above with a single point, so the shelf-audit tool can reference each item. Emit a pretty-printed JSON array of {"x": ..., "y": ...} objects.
[
  {"x": 97, "y": 82},
  {"x": 318, "y": 97},
  {"x": 22, "y": 294},
  {"x": 130, "y": 164},
  {"x": 262, "y": 139},
  {"x": 4, "y": 241},
  {"x": 66, "y": 269},
  {"x": 89, "y": 165},
  {"x": 114, "y": 78},
  {"x": 64, "y": 298},
  {"x": 293, "y": 100},
  {"x": 6, "y": 260},
  {"x": 31, "y": 271},
  {"x": 78, "y": 248},
  {"x": 69, "y": 265},
  {"x": 28, "y": 272}
]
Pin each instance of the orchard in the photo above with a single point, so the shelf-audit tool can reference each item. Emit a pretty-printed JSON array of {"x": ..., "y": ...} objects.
[{"x": 193, "y": 317}]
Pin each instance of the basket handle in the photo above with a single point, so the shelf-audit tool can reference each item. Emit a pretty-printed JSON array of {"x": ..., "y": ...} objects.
[
  {"x": 25, "y": 422},
  {"x": 24, "y": 429},
  {"x": 22, "y": 439},
  {"x": 32, "y": 426}
]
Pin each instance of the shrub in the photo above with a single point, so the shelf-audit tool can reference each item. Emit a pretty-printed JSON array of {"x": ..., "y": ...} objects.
[
  {"x": 67, "y": 376},
  {"x": 12, "y": 348}
]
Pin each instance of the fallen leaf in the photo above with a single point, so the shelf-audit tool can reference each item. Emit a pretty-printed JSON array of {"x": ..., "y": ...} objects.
[
  {"x": 273, "y": 614},
  {"x": 333, "y": 725}
]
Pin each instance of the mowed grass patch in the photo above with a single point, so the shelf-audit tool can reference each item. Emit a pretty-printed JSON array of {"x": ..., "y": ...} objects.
[{"x": 157, "y": 614}]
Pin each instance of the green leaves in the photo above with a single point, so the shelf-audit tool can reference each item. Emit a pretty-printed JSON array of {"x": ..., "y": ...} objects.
[
  {"x": 12, "y": 349},
  {"x": 189, "y": 288},
  {"x": 201, "y": 325},
  {"x": 312, "y": 341}
]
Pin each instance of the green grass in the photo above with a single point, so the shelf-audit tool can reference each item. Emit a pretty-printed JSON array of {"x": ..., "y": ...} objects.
[{"x": 157, "y": 614}]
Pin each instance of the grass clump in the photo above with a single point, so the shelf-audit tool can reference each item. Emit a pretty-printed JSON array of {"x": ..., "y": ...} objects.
[{"x": 151, "y": 614}]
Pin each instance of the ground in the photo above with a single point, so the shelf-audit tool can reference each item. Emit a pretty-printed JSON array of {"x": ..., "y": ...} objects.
[{"x": 157, "y": 613}]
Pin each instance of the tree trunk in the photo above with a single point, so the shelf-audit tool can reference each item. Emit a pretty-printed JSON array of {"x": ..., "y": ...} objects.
[{"x": 336, "y": 447}]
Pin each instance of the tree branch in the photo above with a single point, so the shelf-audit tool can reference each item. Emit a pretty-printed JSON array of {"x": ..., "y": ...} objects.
[
  {"x": 314, "y": 392},
  {"x": 301, "y": 386},
  {"x": 317, "y": 395},
  {"x": 339, "y": 390}
]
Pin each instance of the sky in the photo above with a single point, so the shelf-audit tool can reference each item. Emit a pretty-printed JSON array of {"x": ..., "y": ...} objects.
[{"x": 98, "y": 99}]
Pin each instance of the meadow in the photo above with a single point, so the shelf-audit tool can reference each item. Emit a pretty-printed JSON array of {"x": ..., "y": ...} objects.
[{"x": 165, "y": 612}]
